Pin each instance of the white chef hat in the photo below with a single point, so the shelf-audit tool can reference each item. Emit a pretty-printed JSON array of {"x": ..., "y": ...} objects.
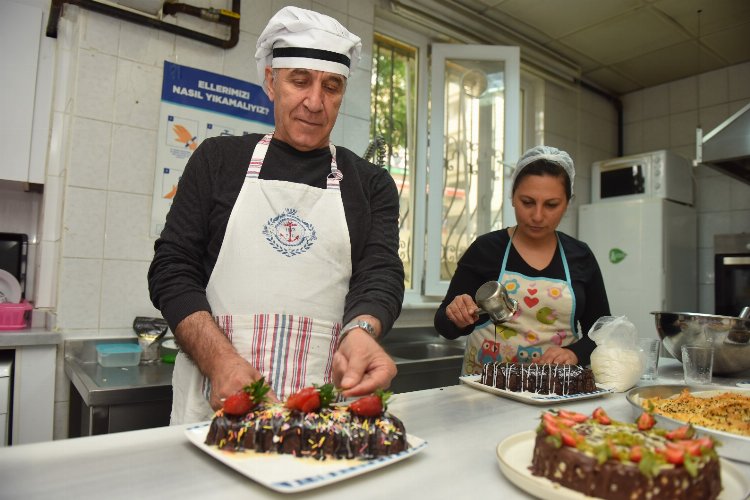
[
  {"x": 553, "y": 155},
  {"x": 299, "y": 38}
]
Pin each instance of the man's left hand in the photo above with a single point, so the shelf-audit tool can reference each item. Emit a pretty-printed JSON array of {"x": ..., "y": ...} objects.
[
  {"x": 558, "y": 355},
  {"x": 360, "y": 365}
]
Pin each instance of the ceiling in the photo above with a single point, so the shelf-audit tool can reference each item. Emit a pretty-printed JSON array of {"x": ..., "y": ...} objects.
[{"x": 618, "y": 45}]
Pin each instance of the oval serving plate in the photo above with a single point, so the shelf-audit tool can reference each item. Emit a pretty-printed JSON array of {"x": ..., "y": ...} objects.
[{"x": 734, "y": 446}]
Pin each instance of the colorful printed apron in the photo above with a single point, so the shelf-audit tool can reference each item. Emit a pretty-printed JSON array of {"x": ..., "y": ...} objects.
[
  {"x": 545, "y": 317},
  {"x": 278, "y": 287}
]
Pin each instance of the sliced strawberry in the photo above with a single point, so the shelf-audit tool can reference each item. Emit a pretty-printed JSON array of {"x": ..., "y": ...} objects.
[
  {"x": 570, "y": 437},
  {"x": 601, "y": 416},
  {"x": 684, "y": 432},
  {"x": 372, "y": 405},
  {"x": 705, "y": 442},
  {"x": 549, "y": 417},
  {"x": 573, "y": 415},
  {"x": 566, "y": 421},
  {"x": 691, "y": 446},
  {"x": 636, "y": 453},
  {"x": 674, "y": 455},
  {"x": 238, "y": 403},
  {"x": 551, "y": 428},
  {"x": 646, "y": 421}
]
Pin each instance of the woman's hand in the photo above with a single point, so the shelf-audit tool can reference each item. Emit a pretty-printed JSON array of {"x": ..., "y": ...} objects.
[
  {"x": 558, "y": 355},
  {"x": 462, "y": 311}
]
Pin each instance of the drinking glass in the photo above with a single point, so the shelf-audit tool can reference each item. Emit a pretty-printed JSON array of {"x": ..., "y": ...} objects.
[
  {"x": 651, "y": 350},
  {"x": 697, "y": 364}
]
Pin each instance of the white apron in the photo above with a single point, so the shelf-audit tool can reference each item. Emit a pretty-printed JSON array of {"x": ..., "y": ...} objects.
[
  {"x": 279, "y": 285},
  {"x": 545, "y": 317}
]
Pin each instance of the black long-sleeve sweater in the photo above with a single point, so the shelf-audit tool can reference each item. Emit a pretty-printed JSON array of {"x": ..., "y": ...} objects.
[
  {"x": 187, "y": 249},
  {"x": 482, "y": 262}
]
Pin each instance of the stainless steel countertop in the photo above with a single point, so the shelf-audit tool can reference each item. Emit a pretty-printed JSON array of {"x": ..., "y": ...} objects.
[
  {"x": 461, "y": 425},
  {"x": 99, "y": 385}
]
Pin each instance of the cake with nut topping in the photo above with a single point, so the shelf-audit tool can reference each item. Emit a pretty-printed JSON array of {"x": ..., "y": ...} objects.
[{"x": 604, "y": 458}]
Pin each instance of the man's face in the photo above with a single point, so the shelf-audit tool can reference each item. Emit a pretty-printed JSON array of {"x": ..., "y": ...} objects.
[{"x": 306, "y": 104}]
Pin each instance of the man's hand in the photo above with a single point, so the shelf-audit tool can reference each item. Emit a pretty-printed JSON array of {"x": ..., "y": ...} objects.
[
  {"x": 215, "y": 356},
  {"x": 558, "y": 355},
  {"x": 231, "y": 376},
  {"x": 360, "y": 365}
]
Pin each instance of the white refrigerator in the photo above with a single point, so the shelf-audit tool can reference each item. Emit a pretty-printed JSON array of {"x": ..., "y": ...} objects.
[{"x": 647, "y": 251}]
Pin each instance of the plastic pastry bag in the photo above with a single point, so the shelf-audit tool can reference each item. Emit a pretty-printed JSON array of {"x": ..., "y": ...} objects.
[{"x": 617, "y": 360}]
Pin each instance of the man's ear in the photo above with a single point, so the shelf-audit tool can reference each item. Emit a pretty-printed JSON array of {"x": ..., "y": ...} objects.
[{"x": 268, "y": 82}]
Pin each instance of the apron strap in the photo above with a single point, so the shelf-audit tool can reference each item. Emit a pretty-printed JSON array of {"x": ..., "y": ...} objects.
[{"x": 259, "y": 154}]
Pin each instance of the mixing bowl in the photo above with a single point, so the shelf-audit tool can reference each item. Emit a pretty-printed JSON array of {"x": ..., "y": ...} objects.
[{"x": 729, "y": 336}]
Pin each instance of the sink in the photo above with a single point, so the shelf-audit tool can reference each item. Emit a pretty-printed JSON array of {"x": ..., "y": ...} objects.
[{"x": 424, "y": 350}]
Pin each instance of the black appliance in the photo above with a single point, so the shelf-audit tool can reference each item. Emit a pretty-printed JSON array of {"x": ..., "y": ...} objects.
[
  {"x": 14, "y": 249},
  {"x": 732, "y": 273}
]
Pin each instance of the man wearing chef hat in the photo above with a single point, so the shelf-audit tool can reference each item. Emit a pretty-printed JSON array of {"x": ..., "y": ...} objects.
[{"x": 279, "y": 257}]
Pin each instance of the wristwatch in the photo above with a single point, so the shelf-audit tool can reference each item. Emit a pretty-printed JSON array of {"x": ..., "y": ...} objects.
[{"x": 367, "y": 327}]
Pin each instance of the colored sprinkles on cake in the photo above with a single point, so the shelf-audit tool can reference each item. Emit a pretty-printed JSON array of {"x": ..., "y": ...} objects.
[
  {"x": 604, "y": 458},
  {"x": 306, "y": 425}
]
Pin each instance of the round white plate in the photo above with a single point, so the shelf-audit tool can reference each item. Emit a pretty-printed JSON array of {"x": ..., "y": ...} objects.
[
  {"x": 514, "y": 455},
  {"x": 10, "y": 288}
]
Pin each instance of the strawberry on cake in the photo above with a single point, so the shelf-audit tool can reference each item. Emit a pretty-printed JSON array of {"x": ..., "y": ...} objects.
[{"x": 307, "y": 425}]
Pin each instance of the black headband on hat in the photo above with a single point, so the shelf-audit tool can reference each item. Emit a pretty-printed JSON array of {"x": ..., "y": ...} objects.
[{"x": 323, "y": 55}]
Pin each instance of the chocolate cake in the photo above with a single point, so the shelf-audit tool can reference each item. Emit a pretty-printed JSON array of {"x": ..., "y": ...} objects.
[
  {"x": 330, "y": 432},
  {"x": 540, "y": 378},
  {"x": 607, "y": 459}
]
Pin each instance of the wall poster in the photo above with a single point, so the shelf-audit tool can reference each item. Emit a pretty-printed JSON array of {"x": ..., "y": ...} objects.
[{"x": 195, "y": 105}]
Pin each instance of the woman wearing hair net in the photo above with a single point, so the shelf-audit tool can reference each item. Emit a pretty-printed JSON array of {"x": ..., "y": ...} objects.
[{"x": 554, "y": 278}]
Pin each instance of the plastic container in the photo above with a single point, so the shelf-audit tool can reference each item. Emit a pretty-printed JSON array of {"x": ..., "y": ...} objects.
[
  {"x": 118, "y": 355},
  {"x": 15, "y": 316}
]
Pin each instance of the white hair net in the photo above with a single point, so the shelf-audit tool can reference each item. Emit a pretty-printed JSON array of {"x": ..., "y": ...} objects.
[
  {"x": 550, "y": 154},
  {"x": 300, "y": 38}
]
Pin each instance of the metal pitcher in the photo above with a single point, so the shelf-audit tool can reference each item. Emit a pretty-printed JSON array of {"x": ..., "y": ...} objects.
[{"x": 492, "y": 298}]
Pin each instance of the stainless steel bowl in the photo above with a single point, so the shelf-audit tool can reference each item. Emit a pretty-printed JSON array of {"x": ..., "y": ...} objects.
[{"x": 729, "y": 336}]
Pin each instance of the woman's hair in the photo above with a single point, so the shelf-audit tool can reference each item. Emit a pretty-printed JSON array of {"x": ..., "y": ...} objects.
[{"x": 545, "y": 167}]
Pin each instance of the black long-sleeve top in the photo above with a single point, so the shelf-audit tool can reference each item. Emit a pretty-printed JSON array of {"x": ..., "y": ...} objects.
[
  {"x": 187, "y": 249},
  {"x": 483, "y": 260}
]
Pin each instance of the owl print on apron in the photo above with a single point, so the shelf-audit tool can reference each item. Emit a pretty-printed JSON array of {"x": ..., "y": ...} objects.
[{"x": 545, "y": 318}]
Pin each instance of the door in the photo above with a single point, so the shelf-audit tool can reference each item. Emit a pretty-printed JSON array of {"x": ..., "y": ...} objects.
[{"x": 474, "y": 144}]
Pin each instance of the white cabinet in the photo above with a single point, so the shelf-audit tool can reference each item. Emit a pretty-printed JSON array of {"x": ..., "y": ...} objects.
[
  {"x": 6, "y": 369},
  {"x": 26, "y": 75}
]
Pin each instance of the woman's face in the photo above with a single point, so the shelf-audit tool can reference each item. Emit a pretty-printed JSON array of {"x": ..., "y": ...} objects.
[{"x": 539, "y": 203}]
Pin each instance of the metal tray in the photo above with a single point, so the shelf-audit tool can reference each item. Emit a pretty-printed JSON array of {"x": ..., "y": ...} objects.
[{"x": 733, "y": 446}]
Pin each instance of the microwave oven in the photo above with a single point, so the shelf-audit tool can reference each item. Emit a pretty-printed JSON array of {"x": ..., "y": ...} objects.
[{"x": 656, "y": 174}]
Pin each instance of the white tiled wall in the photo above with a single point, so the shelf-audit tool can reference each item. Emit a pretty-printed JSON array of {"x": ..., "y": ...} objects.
[
  {"x": 585, "y": 125},
  {"x": 666, "y": 117}
]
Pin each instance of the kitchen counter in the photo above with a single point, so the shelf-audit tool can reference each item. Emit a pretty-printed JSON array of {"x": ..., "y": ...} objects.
[
  {"x": 461, "y": 425},
  {"x": 28, "y": 337},
  {"x": 114, "y": 399}
]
